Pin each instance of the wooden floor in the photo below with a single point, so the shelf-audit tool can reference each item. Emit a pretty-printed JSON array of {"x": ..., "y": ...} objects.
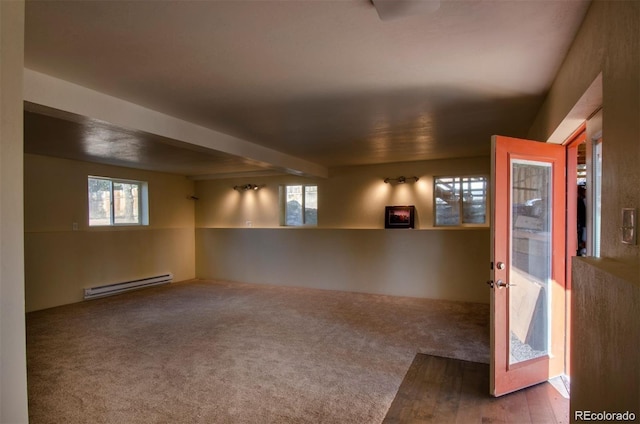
[{"x": 444, "y": 390}]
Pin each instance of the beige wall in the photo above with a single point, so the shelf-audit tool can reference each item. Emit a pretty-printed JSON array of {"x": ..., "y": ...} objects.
[
  {"x": 60, "y": 262},
  {"x": 608, "y": 43},
  {"x": 606, "y": 370},
  {"x": 350, "y": 250},
  {"x": 13, "y": 367},
  {"x": 352, "y": 197},
  {"x": 439, "y": 264}
]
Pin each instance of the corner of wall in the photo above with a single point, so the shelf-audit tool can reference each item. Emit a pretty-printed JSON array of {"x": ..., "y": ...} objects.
[{"x": 13, "y": 367}]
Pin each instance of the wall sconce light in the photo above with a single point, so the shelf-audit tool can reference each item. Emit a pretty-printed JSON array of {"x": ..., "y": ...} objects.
[
  {"x": 246, "y": 187},
  {"x": 401, "y": 180}
]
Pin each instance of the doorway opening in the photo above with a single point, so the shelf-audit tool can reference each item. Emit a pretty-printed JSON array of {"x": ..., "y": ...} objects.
[
  {"x": 584, "y": 182},
  {"x": 518, "y": 225}
]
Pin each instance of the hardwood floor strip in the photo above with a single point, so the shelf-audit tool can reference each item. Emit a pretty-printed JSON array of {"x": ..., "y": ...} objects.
[
  {"x": 493, "y": 411},
  {"x": 540, "y": 399},
  {"x": 474, "y": 387},
  {"x": 558, "y": 401},
  {"x": 448, "y": 399},
  {"x": 424, "y": 410},
  {"x": 517, "y": 408},
  {"x": 445, "y": 390}
]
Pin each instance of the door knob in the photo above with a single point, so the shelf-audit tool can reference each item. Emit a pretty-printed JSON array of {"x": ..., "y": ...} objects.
[
  {"x": 501, "y": 284},
  {"x": 500, "y": 265}
]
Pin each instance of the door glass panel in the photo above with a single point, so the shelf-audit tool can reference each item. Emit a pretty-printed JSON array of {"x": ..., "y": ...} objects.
[{"x": 530, "y": 262}]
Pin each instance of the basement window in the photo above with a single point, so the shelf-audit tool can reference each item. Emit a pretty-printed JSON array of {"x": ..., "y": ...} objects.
[
  {"x": 299, "y": 205},
  {"x": 460, "y": 201},
  {"x": 115, "y": 202}
]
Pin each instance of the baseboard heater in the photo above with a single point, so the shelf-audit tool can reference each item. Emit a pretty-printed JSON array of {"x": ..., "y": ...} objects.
[{"x": 111, "y": 289}]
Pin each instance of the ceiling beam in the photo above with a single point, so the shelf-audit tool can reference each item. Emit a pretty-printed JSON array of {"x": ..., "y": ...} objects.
[{"x": 55, "y": 93}]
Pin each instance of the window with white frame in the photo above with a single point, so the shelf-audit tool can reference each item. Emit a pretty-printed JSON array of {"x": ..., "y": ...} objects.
[
  {"x": 299, "y": 205},
  {"x": 117, "y": 202},
  {"x": 460, "y": 201}
]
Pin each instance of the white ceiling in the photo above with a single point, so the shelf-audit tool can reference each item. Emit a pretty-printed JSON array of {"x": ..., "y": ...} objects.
[{"x": 322, "y": 80}]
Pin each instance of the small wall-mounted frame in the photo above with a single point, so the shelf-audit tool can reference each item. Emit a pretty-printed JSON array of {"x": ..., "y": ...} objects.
[
  {"x": 629, "y": 226},
  {"x": 399, "y": 216}
]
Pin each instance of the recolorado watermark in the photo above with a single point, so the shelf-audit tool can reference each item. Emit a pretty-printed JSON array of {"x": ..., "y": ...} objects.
[{"x": 604, "y": 416}]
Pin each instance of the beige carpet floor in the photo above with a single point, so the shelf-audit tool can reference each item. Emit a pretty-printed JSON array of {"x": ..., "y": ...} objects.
[{"x": 217, "y": 352}]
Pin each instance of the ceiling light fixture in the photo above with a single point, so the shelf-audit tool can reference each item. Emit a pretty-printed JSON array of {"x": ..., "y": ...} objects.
[
  {"x": 246, "y": 187},
  {"x": 401, "y": 180}
]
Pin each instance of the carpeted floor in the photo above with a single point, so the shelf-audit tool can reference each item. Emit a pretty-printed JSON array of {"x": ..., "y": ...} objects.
[{"x": 217, "y": 352}]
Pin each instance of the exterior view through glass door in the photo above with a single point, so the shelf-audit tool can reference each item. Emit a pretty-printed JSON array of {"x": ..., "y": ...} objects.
[
  {"x": 530, "y": 260},
  {"x": 528, "y": 263}
]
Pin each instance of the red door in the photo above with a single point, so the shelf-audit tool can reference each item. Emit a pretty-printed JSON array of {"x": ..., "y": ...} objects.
[{"x": 528, "y": 243}]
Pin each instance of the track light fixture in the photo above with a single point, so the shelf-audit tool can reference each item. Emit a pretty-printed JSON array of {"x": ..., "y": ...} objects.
[
  {"x": 401, "y": 180},
  {"x": 246, "y": 187}
]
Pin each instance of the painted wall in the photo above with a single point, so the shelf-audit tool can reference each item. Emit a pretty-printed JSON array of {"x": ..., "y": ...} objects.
[
  {"x": 60, "y": 262},
  {"x": 352, "y": 197},
  {"x": 437, "y": 264},
  {"x": 606, "y": 370},
  {"x": 608, "y": 43},
  {"x": 350, "y": 249},
  {"x": 13, "y": 365}
]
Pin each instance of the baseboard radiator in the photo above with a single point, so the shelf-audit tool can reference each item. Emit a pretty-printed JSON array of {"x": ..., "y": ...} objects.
[{"x": 111, "y": 289}]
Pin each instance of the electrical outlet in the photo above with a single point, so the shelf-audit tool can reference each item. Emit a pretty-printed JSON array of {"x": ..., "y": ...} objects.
[
  {"x": 248, "y": 223},
  {"x": 74, "y": 226}
]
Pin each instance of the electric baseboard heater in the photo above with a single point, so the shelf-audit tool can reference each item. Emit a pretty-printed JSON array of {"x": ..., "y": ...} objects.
[{"x": 111, "y": 289}]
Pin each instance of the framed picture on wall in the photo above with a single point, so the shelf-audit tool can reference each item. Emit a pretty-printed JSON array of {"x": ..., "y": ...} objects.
[{"x": 399, "y": 216}]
